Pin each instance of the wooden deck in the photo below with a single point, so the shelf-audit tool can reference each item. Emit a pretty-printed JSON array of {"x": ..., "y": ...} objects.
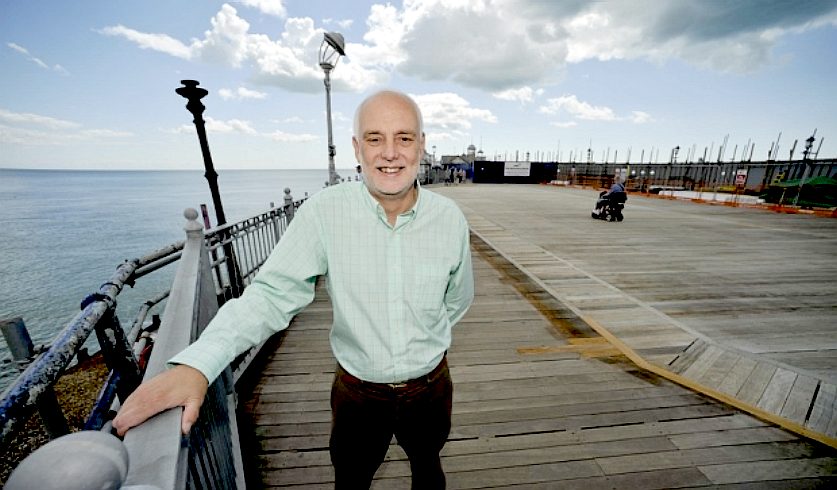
[
  {"x": 737, "y": 303},
  {"x": 541, "y": 399}
]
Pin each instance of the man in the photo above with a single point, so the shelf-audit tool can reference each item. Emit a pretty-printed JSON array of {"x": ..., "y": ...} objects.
[
  {"x": 398, "y": 268},
  {"x": 616, "y": 196}
]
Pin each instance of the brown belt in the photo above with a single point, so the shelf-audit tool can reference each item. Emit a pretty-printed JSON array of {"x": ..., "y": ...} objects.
[{"x": 410, "y": 383}]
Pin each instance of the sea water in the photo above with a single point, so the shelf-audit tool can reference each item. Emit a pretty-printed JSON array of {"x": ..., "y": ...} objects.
[{"x": 63, "y": 233}]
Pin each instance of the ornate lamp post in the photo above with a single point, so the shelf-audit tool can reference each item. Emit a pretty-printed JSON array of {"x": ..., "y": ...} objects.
[
  {"x": 191, "y": 92},
  {"x": 331, "y": 50}
]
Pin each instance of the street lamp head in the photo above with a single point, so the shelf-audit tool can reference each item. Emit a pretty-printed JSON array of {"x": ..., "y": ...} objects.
[
  {"x": 191, "y": 92},
  {"x": 331, "y": 49}
]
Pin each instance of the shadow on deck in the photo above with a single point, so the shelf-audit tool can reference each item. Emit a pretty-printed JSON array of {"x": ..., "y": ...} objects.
[{"x": 540, "y": 400}]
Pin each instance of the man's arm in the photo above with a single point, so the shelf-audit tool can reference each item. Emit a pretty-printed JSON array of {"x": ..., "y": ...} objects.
[
  {"x": 283, "y": 287},
  {"x": 460, "y": 292}
]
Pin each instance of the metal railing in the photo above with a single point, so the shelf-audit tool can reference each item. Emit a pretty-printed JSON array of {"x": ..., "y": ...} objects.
[
  {"x": 212, "y": 267},
  {"x": 698, "y": 176}
]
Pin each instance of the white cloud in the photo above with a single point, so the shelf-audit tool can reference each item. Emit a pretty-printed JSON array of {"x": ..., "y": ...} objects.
[
  {"x": 231, "y": 126},
  {"x": 582, "y": 110},
  {"x": 640, "y": 117},
  {"x": 502, "y": 46},
  {"x": 36, "y": 119},
  {"x": 483, "y": 44},
  {"x": 241, "y": 93},
  {"x": 450, "y": 111},
  {"x": 728, "y": 36},
  {"x": 342, "y": 24},
  {"x": 25, "y": 52},
  {"x": 157, "y": 42},
  {"x": 436, "y": 136},
  {"x": 563, "y": 124},
  {"x": 238, "y": 126},
  {"x": 523, "y": 94},
  {"x": 269, "y": 7},
  {"x": 25, "y": 128},
  {"x": 291, "y": 138},
  {"x": 105, "y": 133},
  {"x": 570, "y": 105},
  {"x": 289, "y": 61}
]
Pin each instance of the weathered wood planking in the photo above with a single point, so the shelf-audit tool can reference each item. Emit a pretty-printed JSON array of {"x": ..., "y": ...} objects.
[
  {"x": 530, "y": 410},
  {"x": 739, "y": 302}
]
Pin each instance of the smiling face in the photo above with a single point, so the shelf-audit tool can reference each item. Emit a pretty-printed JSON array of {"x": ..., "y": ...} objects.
[{"x": 388, "y": 144}]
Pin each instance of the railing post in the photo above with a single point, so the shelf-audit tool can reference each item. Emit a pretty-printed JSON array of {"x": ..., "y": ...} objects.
[
  {"x": 289, "y": 204},
  {"x": 119, "y": 357},
  {"x": 22, "y": 350}
]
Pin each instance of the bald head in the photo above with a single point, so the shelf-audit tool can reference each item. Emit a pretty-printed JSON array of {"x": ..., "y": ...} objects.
[{"x": 387, "y": 94}]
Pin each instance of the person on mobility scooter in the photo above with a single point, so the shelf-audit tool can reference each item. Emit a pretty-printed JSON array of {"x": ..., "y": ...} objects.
[{"x": 610, "y": 203}]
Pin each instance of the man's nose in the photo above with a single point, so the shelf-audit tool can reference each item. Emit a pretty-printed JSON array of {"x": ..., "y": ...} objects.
[{"x": 389, "y": 152}]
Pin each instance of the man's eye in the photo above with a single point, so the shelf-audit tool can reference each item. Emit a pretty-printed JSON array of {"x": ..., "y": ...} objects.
[
  {"x": 406, "y": 139},
  {"x": 373, "y": 141}
]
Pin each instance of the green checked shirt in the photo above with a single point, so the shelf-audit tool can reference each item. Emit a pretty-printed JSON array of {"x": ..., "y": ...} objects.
[{"x": 396, "y": 290}]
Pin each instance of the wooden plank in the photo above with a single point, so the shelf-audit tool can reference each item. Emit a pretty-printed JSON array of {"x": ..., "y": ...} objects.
[
  {"x": 748, "y": 435},
  {"x": 544, "y": 473},
  {"x": 703, "y": 456},
  {"x": 703, "y": 362},
  {"x": 800, "y": 399},
  {"x": 719, "y": 370},
  {"x": 738, "y": 375},
  {"x": 824, "y": 412},
  {"x": 777, "y": 390},
  {"x": 757, "y": 471},
  {"x": 753, "y": 388}
]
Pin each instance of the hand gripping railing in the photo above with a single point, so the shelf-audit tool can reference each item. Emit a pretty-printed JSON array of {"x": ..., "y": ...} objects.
[{"x": 209, "y": 457}]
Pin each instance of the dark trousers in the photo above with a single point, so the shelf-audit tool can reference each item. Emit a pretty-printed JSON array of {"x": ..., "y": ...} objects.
[{"x": 366, "y": 415}]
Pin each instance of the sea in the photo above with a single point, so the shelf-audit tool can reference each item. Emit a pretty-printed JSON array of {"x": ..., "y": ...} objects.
[{"x": 63, "y": 233}]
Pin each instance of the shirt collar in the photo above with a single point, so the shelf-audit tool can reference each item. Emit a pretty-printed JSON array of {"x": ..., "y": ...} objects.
[{"x": 376, "y": 207}]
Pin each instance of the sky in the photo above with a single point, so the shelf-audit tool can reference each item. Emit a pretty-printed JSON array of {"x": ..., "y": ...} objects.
[{"x": 91, "y": 84}]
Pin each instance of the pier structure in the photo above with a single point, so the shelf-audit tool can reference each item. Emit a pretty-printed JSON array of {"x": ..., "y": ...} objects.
[
  {"x": 652, "y": 353},
  {"x": 688, "y": 346},
  {"x": 741, "y": 177}
]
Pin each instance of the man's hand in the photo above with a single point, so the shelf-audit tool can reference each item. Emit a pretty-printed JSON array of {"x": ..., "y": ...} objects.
[{"x": 180, "y": 386}]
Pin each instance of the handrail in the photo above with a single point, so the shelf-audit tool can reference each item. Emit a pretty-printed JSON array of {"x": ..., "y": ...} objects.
[
  {"x": 192, "y": 303},
  {"x": 198, "y": 288},
  {"x": 97, "y": 313},
  {"x": 201, "y": 285}
]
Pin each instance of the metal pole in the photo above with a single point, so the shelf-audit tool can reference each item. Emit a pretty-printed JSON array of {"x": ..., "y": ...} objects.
[
  {"x": 193, "y": 94},
  {"x": 22, "y": 351},
  {"x": 332, "y": 151}
]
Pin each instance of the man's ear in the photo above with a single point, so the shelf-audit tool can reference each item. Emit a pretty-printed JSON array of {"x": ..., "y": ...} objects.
[{"x": 356, "y": 146}]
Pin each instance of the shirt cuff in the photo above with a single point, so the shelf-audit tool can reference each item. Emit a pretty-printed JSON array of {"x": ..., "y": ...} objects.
[{"x": 208, "y": 358}]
